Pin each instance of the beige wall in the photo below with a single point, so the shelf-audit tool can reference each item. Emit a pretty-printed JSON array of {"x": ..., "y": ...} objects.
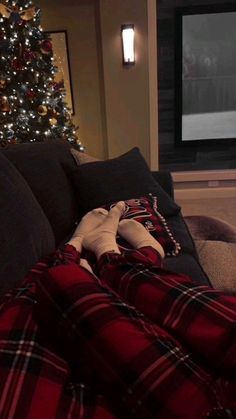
[
  {"x": 126, "y": 89},
  {"x": 78, "y": 18},
  {"x": 111, "y": 102}
]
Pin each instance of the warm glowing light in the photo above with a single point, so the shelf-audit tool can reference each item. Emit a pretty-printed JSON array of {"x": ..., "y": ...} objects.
[{"x": 127, "y": 33}]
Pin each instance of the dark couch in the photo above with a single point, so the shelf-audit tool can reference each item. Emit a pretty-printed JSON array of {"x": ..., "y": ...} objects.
[{"x": 39, "y": 209}]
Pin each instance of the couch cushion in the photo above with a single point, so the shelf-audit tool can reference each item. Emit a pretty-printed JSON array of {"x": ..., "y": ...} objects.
[
  {"x": 26, "y": 235},
  {"x": 181, "y": 233},
  {"x": 42, "y": 165},
  {"x": 121, "y": 178}
]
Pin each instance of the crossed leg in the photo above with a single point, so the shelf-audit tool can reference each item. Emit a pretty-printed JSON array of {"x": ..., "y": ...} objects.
[{"x": 199, "y": 316}]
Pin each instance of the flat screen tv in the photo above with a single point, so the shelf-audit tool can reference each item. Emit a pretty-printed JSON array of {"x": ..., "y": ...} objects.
[{"x": 205, "y": 74}]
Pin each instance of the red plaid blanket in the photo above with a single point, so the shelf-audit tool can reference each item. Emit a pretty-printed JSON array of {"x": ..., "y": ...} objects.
[
  {"x": 35, "y": 381},
  {"x": 71, "y": 347},
  {"x": 201, "y": 317}
]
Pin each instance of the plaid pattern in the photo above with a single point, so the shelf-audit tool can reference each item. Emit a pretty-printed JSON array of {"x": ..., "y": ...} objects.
[
  {"x": 66, "y": 338},
  {"x": 145, "y": 211},
  {"x": 138, "y": 366},
  {"x": 35, "y": 381},
  {"x": 198, "y": 315}
]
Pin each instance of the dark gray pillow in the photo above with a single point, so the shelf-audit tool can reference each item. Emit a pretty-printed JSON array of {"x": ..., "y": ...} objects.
[
  {"x": 127, "y": 176},
  {"x": 41, "y": 165},
  {"x": 26, "y": 235}
]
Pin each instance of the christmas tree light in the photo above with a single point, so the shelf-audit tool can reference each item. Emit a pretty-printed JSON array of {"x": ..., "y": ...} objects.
[{"x": 32, "y": 103}]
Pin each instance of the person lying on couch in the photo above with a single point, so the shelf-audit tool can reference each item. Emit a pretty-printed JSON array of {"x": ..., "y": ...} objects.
[{"x": 140, "y": 341}]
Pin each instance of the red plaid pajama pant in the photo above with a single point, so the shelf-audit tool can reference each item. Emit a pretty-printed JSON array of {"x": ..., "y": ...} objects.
[{"x": 139, "y": 335}]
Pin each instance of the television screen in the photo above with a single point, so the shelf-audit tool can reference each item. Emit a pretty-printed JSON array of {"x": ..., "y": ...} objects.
[{"x": 205, "y": 73}]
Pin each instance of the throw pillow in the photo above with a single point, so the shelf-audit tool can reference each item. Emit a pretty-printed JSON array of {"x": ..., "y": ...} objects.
[
  {"x": 124, "y": 177},
  {"x": 42, "y": 166},
  {"x": 26, "y": 235},
  {"x": 82, "y": 158},
  {"x": 145, "y": 211}
]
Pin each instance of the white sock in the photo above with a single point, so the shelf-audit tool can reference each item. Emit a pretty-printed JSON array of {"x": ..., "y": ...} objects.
[
  {"x": 137, "y": 235},
  {"x": 103, "y": 238},
  {"x": 88, "y": 223}
]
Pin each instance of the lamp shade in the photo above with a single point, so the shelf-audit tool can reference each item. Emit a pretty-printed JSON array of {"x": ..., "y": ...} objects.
[{"x": 127, "y": 37}]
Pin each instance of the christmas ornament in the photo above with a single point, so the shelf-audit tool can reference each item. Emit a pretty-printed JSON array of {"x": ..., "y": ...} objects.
[
  {"x": 41, "y": 64},
  {"x": 30, "y": 94},
  {"x": 14, "y": 15},
  {"x": 57, "y": 85},
  {"x": 17, "y": 64},
  {"x": 28, "y": 55},
  {"x": 4, "y": 104},
  {"x": 46, "y": 47},
  {"x": 53, "y": 121},
  {"x": 3, "y": 83},
  {"x": 32, "y": 99},
  {"x": 42, "y": 110},
  {"x": 55, "y": 113},
  {"x": 61, "y": 84},
  {"x": 10, "y": 134}
]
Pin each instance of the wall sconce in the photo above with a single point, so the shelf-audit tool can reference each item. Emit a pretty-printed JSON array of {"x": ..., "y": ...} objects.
[{"x": 127, "y": 37}]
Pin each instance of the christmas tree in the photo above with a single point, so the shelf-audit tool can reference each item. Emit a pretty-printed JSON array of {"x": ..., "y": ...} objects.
[{"x": 32, "y": 103}]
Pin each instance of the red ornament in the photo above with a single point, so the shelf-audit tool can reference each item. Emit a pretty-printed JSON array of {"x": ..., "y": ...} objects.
[
  {"x": 17, "y": 64},
  {"x": 56, "y": 86},
  {"x": 46, "y": 46},
  {"x": 61, "y": 84},
  {"x": 28, "y": 55},
  {"x": 30, "y": 94}
]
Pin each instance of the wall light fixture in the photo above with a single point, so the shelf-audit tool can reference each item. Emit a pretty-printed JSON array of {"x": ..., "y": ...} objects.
[{"x": 127, "y": 37}]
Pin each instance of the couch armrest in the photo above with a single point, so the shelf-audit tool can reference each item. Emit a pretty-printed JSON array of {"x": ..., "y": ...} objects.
[
  {"x": 165, "y": 180},
  {"x": 203, "y": 227}
]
